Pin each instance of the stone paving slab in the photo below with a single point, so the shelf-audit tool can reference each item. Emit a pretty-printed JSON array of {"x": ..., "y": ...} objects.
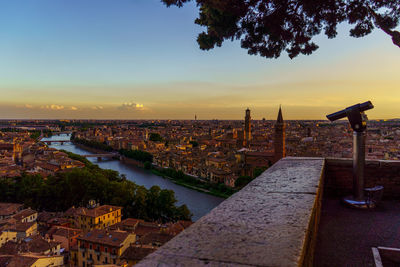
[{"x": 291, "y": 175}]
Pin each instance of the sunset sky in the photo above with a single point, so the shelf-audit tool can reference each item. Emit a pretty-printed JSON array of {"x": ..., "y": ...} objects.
[{"x": 137, "y": 59}]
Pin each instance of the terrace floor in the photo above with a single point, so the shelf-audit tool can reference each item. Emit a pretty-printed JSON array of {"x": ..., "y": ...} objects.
[{"x": 346, "y": 236}]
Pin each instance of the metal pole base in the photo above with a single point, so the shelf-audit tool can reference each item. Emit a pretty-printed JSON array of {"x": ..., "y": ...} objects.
[{"x": 350, "y": 201}]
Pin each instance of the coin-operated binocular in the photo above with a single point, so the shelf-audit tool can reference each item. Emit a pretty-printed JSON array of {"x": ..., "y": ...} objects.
[{"x": 358, "y": 122}]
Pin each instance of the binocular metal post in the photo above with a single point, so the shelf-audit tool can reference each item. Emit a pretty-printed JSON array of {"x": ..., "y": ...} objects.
[
  {"x": 358, "y": 123},
  {"x": 357, "y": 200},
  {"x": 358, "y": 164}
]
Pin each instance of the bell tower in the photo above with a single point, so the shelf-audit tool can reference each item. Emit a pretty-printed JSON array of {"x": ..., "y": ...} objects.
[
  {"x": 279, "y": 141},
  {"x": 247, "y": 127}
]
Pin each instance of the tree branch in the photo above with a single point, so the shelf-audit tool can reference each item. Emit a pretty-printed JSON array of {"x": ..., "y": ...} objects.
[{"x": 378, "y": 22}]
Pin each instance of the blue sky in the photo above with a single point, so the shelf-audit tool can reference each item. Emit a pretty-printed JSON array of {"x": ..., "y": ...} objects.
[{"x": 138, "y": 59}]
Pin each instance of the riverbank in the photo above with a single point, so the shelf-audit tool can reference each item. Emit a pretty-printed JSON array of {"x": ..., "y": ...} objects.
[
  {"x": 90, "y": 149},
  {"x": 218, "y": 190},
  {"x": 199, "y": 203},
  {"x": 191, "y": 183}
]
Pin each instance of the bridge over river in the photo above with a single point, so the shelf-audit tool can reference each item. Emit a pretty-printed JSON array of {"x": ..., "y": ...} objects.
[
  {"x": 198, "y": 203},
  {"x": 49, "y": 142},
  {"x": 99, "y": 156}
]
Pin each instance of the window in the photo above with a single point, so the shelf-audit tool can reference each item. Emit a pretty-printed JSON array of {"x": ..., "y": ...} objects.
[
  {"x": 98, "y": 257},
  {"x": 90, "y": 246},
  {"x": 114, "y": 261},
  {"x": 105, "y": 260},
  {"x": 106, "y": 250},
  {"x": 83, "y": 264}
]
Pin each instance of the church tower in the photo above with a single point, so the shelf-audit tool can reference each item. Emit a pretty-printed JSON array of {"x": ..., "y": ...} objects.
[
  {"x": 279, "y": 141},
  {"x": 247, "y": 127}
]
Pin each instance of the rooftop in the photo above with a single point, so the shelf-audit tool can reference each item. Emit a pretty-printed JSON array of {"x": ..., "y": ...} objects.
[
  {"x": 97, "y": 211},
  {"x": 112, "y": 238},
  {"x": 7, "y": 209}
]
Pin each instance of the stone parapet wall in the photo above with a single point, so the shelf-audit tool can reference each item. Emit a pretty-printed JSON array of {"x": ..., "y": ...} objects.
[
  {"x": 339, "y": 176},
  {"x": 273, "y": 221}
]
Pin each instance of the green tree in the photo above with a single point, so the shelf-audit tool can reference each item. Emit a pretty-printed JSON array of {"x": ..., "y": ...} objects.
[
  {"x": 258, "y": 171},
  {"x": 269, "y": 27},
  {"x": 155, "y": 137},
  {"x": 242, "y": 181},
  {"x": 139, "y": 155},
  {"x": 77, "y": 186},
  {"x": 194, "y": 143}
]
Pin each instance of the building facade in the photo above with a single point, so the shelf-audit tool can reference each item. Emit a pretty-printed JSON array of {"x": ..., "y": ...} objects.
[
  {"x": 103, "y": 247},
  {"x": 99, "y": 217}
]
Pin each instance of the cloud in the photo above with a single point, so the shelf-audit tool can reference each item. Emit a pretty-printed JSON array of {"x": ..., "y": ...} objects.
[
  {"x": 28, "y": 106},
  {"x": 74, "y": 108},
  {"x": 131, "y": 106},
  {"x": 53, "y": 107},
  {"x": 97, "y": 107}
]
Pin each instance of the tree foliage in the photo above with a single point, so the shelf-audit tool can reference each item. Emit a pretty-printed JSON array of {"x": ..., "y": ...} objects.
[
  {"x": 77, "y": 186},
  {"x": 269, "y": 27},
  {"x": 93, "y": 144},
  {"x": 155, "y": 137},
  {"x": 181, "y": 178},
  {"x": 242, "y": 181},
  {"x": 194, "y": 143},
  {"x": 258, "y": 171},
  {"x": 138, "y": 155}
]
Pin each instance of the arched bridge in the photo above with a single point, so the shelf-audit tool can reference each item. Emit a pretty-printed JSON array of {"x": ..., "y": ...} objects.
[
  {"x": 49, "y": 142},
  {"x": 100, "y": 156}
]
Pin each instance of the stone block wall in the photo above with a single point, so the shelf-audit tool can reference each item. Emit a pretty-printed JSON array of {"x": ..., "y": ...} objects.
[
  {"x": 273, "y": 221},
  {"x": 339, "y": 176}
]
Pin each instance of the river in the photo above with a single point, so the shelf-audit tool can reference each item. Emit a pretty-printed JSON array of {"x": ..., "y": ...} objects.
[{"x": 198, "y": 203}]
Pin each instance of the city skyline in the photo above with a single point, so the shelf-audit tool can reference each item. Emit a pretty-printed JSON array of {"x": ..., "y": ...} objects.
[{"x": 140, "y": 60}]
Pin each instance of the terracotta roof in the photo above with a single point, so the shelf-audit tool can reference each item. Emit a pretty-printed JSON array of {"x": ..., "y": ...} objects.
[
  {"x": 145, "y": 227},
  {"x": 176, "y": 228},
  {"x": 44, "y": 216},
  {"x": 7, "y": 209},
  {"x": 21, "y": 227},
  {"x": 98, "y": 211},
  {"x": 48, "y": 166},
  {"x": 155, "y": 239},
  {"x": 100, "y": 236},
  {"x": 16, "y": 261},
  {"x": 58, "y": 221},
  {"x": 70, "y": 212},
  {"x": 23, "y": 214},
  {"x": 127, "y": 224},
  {"x": 5, "y": 260},
  {"x": 35, "y": 244},
  {"x": 63, "y": 231},
  {"x": 135, "y": 253}
]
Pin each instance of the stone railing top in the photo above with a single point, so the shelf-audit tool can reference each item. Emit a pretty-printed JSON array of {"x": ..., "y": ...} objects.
[
  {"x": 264, "y": 224},
  {"x": 368, "y": 162}
]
